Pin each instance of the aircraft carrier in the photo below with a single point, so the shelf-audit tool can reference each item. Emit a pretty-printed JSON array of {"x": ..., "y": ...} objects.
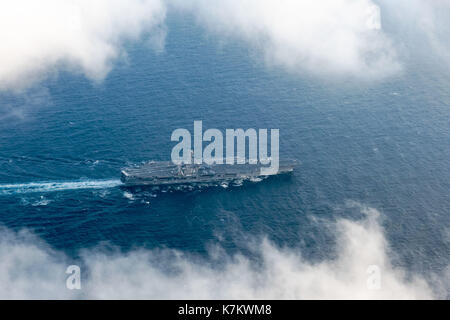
[{"x": 165, "y": 173}]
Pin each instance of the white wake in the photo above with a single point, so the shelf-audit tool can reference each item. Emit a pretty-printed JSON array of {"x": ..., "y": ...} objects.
[{"x": 19, "y": 188}]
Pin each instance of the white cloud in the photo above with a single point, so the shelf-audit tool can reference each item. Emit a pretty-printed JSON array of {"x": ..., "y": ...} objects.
[
  {"x": 325, "y": 37},
  {"x": 29, "y": 269},
  {"x": 38, "y": 37}
]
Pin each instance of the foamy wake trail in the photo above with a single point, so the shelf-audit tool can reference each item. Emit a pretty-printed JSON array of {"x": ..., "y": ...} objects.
[{"x": 7, "y": 189}]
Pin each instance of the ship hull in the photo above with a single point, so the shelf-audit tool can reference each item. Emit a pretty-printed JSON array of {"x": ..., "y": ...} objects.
[{"x": 157, "y": 174}]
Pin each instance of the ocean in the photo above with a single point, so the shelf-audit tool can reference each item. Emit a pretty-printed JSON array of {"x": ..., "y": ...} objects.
[{"x": 375, "y": 144}]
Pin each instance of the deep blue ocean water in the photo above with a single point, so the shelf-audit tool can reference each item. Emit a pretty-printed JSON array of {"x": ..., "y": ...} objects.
[{"x": 384, "y": 144}]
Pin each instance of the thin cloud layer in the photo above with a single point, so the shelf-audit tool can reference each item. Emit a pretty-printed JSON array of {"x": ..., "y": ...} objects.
[
  {"x": 328, "y": 37},
  {"x": 325, "y": 38},
  {"x": 30, "y": 270},
  {"x": 40, "y": 37}
]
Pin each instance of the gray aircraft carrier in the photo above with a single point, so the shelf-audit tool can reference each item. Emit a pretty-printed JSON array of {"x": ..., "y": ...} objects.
[{"x": 165, "y": 173}]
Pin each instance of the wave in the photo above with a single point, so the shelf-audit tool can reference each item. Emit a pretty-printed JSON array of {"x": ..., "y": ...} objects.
[{"x": 19, "y": 188}]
